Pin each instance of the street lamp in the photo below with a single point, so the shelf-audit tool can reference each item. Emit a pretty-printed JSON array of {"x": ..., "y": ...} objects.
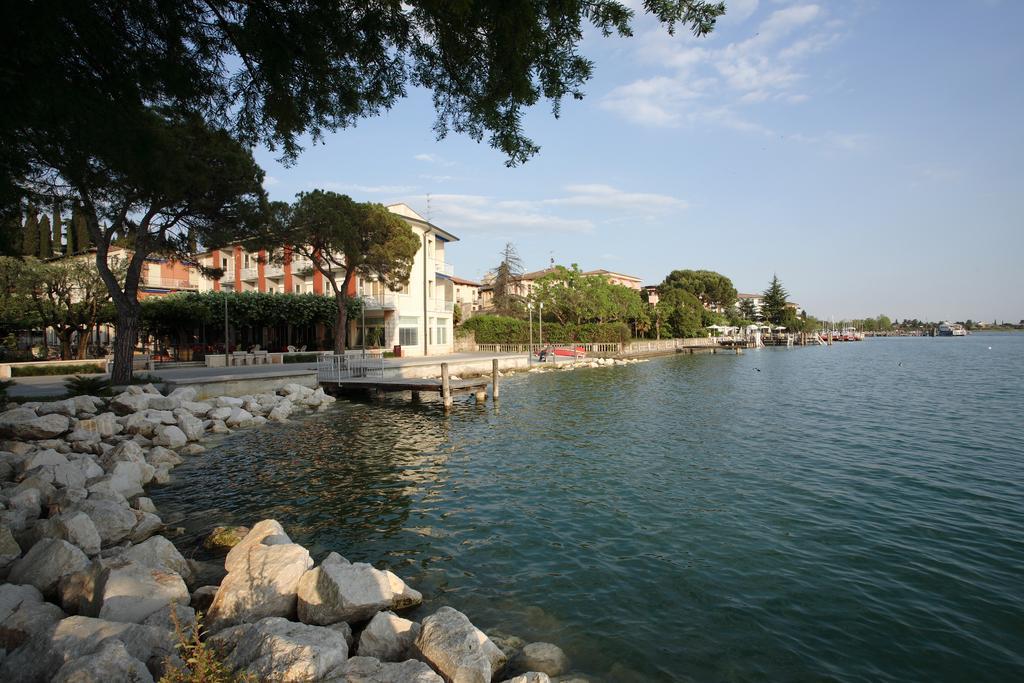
[
  {"x": 540, "y": 324},
  {"x": 529, "y": 349}
]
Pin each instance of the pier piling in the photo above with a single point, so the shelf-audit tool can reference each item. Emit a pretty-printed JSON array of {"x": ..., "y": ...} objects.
[
  {"x": 446, "y": 387},
  {"x": 494, "y": 379}
]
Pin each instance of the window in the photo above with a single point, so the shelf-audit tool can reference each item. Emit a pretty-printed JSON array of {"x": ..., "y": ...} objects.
[
  {"x": 442, "y": 331},
  {"x": 298, "y": 289},
  {"x": 224, "y": 263},
  {"x": 408, "y": 330},
  {"x": 430, "y": 330},
  {"x": 246, "y": 261}
]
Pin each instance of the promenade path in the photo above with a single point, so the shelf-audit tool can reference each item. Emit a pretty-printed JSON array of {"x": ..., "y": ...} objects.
[{"x": 53, "y": 385}]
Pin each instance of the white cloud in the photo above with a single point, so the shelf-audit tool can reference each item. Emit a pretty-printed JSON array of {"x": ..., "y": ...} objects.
[
  {"x": 269, "y": 181},
  {"x": 433, "y": 159},
  {"x": 606, "y": 196},
  {"x": 711, "y": 85},
  {"x": 740, "y": 10},
  {"x": 437, "y": 178},
  {"x": 479, "y": 213},
  {"x": 365, "y": 189}
]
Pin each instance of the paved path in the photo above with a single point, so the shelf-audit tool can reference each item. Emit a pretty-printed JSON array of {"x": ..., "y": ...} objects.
[{"x": 53, "y": 385}]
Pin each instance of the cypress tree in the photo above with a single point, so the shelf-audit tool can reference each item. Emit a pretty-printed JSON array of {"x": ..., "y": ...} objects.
[
  {"x": 58, "y": 230},
  {"x": 30, "y": 241},
  {"x": 773, "y": 302},
  {"x": 45, "y": 238},
  {"x": 83, "y": 240}
]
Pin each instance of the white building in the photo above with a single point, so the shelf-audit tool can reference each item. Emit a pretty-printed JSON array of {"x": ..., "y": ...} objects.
[{"x": 418, "y": 317}]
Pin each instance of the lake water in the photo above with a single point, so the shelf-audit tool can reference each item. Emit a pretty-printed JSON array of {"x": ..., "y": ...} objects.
[{"x": 808, "y": 514}]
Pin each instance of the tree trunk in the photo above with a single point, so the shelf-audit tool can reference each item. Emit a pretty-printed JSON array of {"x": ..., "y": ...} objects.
[
  {"x": 127, "y": 333},
  {"x": 65, "y": 343},
  {"x": 83, "y": 341},
  {"x": 341, "y": 325}
]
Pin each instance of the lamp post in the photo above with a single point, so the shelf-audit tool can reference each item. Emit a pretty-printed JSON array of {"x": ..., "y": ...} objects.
[
  {"x": 540, "y": 324},
  {"x": 529, "y": 349},
  {"x": 226, "y": 343}
]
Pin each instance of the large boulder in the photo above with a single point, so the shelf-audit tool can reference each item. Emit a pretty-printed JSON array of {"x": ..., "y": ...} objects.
[
  {"x": 9, "y": 548},
  {"x": 159, "y": 553},
  {"x": 191, "y": 427},
  {"x": 42, "y": 458},
  {"x": 113, "y": 521},
  {"x": 261, "y": 583},
  {"x": 223, "y": 538},
  {"x": 65, "y": 407},
  {"x": 74, "y": 527},
  {"x": 369, "y": 670},
  {"x": 261, "y": 530},
  {"x": 532, "y": 677},
  {"x": 111, "y": 661},
  {"x": 130, "y": 592},
  {"x": 275, "y": 649},
  {"x": 39, "y": 659},
  {"x": 158, "y": 455},
  {"x": 170, "y": 436},
  {"x": 103, "y": 424},
  {"x": 388, "y": 637},
  {"x": 45, "y": 563},
  {"x": 126, "y": 451},
  {"x": 239, "y": 418},
  {"x": 165, "y": 402},
  {"x": 24, "y": 615},
  {"x": 338, "y": 590},
  {"x": 462, "y": 653},
  {"x": 21, "y": 423},
  {"x": 281, "y": 411},
  {"x": 129, "y": 402},
  {"x": 543, "y": 657}
]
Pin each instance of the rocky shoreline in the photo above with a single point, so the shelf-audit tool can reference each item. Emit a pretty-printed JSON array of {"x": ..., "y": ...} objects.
[{"x": 95, "y": 590}]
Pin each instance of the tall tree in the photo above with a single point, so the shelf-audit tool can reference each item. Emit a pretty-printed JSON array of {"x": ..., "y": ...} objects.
[
  {"x": 773, "y": 302},
  {"x": 507, "y": 283},
  {"x": 712, "y": 289},
  {"x": 30, "y": 233},
  {"x": 58, "y": 229},
  {"x": 45, "y": 238},
  {"x": 346, "y": 238},
  {"x": 747, "y": 309},
  {"x": 272, "y": 71},
  {"x": 80, "y": 230},
  {"x": 168, "y": 176}
]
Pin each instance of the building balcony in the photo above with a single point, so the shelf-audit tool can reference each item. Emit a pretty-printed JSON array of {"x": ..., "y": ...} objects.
[
  {"x": 444, "y": 268},
  {"x": 158, "y": 282},
  {"x": 443, "y": 305},
  {"x": 273, "y": 271},
  {"x": 250, "y": 273},
  {"x": 386, "y": 301}
]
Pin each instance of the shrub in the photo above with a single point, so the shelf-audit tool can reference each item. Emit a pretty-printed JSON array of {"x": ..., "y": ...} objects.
[
  {"x": 87, "y": 386},
  {"x": 203, "y": 663},
  {"x": 64, "y": 369}
]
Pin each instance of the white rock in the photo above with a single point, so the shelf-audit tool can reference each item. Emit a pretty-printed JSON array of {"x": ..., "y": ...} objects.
[
  {"x": 47, "y": 456},
  {"x": 74, "y": 527},
  {"x": 159, "y": 553},
  {"x": 184, "y": 393},
  {"x": 462, "y": 653},
  {"x": 9, "y": 548},
  {"x": 24, "y": 615},
  {"x": 158, "y": 455},
  {"x": 144, "y": 504},
  {"x": 170, "y": 436},
  {"x": 191, "y": 426},
  {"x": 240, "y": 417},
  {"x": 65, "y": 407},
  {"x": 165, "y": 402},
  {"x": 340, "y": 591},
  {"x": 126, "y": 591},
  {"x": 113, "y": 521},
  {"x": 199, "y": 409},
  {"x": 543, "y": 657},
  {"x": 128, "y": 402},
  {"x": 369, "y": 670},
  {"x": 222, "y": 413},
  {"x": 263, "y": 583},
  {"x": 255, "y": 536},
  {"x": 41, "y": 658},
  {"x": 17, "y": 424},
  {"x": 281, "y": 411},
  {"x": 280, "y": 650},
  {"x": 45, "y": 563},
  {"x": 529, "y": 677},
  {"x": 228, "y": 402},
  {"x": 389, "y": 638},
  {"x": 110, "y": 662}
]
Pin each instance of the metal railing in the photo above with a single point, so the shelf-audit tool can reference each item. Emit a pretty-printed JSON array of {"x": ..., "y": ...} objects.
[
  {"x": 332, "y": 367},
  {"x": 273, "y": 270},
  {"x": 445, "y": 268},
  {"x": 167, "y": 283},
  {"x": 380, "y": 301},
  {"x": 601, "y": 347},
  {"x": 249, "y": 273},
  {"x": 443, "y": 305}
]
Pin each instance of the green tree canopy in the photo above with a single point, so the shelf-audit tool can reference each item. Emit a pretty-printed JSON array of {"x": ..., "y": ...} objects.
[
  {"x": 680, "y": 313},
  {"x": 340, "y": 236},
  {"x": 711, "y": 288},
  {"x": 507, "y": 283},
  {"x": 774, "y": 300},
  {"x": 570, "y": 296}
]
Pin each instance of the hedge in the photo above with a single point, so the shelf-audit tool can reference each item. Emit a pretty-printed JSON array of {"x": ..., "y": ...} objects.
[
  {"x": 496, "y": 329},
  {"x": 300, "y": 357},
  {"x": 63, "y": 369}
]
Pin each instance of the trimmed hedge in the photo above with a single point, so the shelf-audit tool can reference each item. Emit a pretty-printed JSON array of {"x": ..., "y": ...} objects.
[
  {"x": 299, "y": 358},
  {"x": 496, "y": 329},
  {"x": 47, "y": 370}
]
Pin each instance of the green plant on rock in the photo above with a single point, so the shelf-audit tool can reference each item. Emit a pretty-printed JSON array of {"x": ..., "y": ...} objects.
[{"x": 199, "y": 662}]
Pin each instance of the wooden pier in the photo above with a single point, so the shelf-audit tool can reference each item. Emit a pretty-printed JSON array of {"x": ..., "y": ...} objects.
[{"x": 445, "y": 387}]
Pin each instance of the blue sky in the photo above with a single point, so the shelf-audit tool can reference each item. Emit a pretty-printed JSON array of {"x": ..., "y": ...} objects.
[{"x": 870, "y": 153}]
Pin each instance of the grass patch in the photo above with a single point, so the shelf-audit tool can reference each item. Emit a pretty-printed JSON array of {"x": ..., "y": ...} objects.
[{"x": 50, "y": 370}]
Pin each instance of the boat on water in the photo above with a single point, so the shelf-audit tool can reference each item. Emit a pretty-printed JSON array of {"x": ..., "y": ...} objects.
[{"x": 948, "y": 329}]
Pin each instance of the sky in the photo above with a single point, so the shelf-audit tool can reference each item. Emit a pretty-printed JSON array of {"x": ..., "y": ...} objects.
[{"x": 869, "y": 153}]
